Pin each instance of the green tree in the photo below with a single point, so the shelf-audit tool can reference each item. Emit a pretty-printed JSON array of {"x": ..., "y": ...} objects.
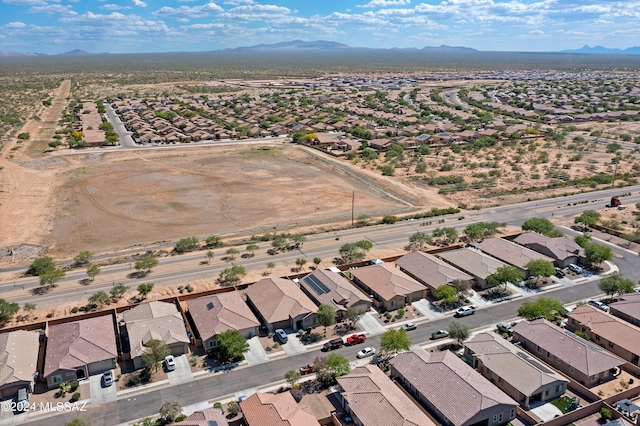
[
  {"x": 338, "y": 365},
  {"x": 420, "y": 239},
  {"x": 365, "y": 245},
  {"x": 353, "y": 314},
  {"x": 544, "y": 307},
  {"x": 146, "y": 264},
  {"x": 83, "y": 257},
  {"x": 326, "y": 315},
  {"x": 389, "y": 219},
  {"x": 231, "y": 346},
  {"x": 209, "y": 256},
  {"x": 459, "y": 331},
  {"x": 300, "y": 262},
  {"x": 317, "y": 261},
  {"x": 616, "y": 284},
  {"x": 595, "y": 254},
  {"x": 297, "y": 240},
  {"x": 292, "y": 377},
  {"x": 169, "y": 411},
  {"x": 447, "y": 235},
  {"x": 93, "y": 271},
  {"x": 185, "y": 245},
  {"x": 393, "y": 341},
  {"x": 251, "y": 248},
  {"x": 144, "y": 289},
  {"x": 40, "y": 265},
  {"x": 23, "y": 136},
  {"x": 350, "y": 252},
  {"x": 233, "y": 274},
  {"x": 541, "y": 226},
  {"x": 270, "y": 266},
  {"x": 155, "y": 351},
  {"x": 540, "y": 268},
  {"x": 462, "y": 287},
  {"x": 447, "y": 294},
  {"x": 480, "y": 230},
  {"x": 505, "y": 275},
  {"x": 582, "y": 240},
  {"x": 588, "y": 218},
  {"x": 50, "y": 277},
  {"x": 232, "y": 253},
  {"x": 8, "y": 310},
  {"x": 29, "y": 308},
  {"x": 100, "y": 299},
  {"x": 118, "y": 290},
  {"x": 214, "y": 241}
]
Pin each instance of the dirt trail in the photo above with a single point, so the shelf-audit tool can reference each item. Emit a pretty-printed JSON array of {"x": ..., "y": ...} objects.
[{"x": 27, "y": 186}]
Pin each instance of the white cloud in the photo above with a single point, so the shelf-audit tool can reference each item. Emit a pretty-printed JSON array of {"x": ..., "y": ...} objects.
[
  {"x": 111, "y": 6},
  {"x": 537, "y": 33},
  {"x": 139, "y": 3},
  {"x": 384, "y": 3},
  {"x": 237, "y": 2},
  {"x": 188, "y": 12},
  {"x": 52, "y": 9},
  {"x": 15, "y": 25}
]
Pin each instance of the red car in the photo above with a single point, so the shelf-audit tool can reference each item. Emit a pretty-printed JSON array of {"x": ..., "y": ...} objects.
[
  {"x": 307, "y": 369},
  {"x": 355, "y": 339}
]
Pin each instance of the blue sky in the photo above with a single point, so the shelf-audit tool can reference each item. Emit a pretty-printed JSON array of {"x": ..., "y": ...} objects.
[{"x": 130, "y": 26}]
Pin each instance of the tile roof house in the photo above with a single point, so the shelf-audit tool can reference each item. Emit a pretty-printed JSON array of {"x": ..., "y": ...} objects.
[
  {"x": 153, "y": 320},
  {"x": 511, "y": 253},
  {"x": 577, "y": 358},
  {"x": 371, "y": 399},
  {"x": 389, "y": 286},
  {"x": 430, "y": 271},
  {"x": 513, "y": 370},
  {"x": 218, "y": 313},
  {"x": 438, "y": 379},
  {"x": 474, "y": 262},
  {"x": 562, "y": 250},
  {"x": 265, "y": 409},
  {"x": 279, "y": 303},
  {"x": 208, "y": 417},
  {"x": 18, "y": 361},
  {"x": 613, "y": 334},
  {"x": 78, "y": 349},
  {"x": 627, "y": 308},
  {"x": 324, "y": 286}
]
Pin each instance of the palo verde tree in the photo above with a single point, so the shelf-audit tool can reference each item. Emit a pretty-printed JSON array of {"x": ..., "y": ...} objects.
[
  {"x": 480, "y": 230},
  {"x": 540, "y": 268},
  {"x": 99, "y": 299},
  {"x": 542, "y": 226},
  {"x": 588, "y": 218},
  {"x": 232, "y": 275},
  {"x": 83, "y": 258},
  {"x": 420, "y": 239},
  {"x": 393, "y": 341},
  {"x": 185, "y": 245},
  {"x": 616, "y": 284},
  {"x": 505, "y": 275},
  {"x": 459, "y": 331},
  {"x": 544, "y": 307},
  {"x": 326, "y": 316},
  {"x": 146, "y": 264},
  {"x": 93, "y": 271},
  {"x": 144, "y": 289},
  {"x": 445, "y": 235},
  {"x": 213, "y": 241},
  {"x": 118, "y": 291},
  {"x": 7, "y": 310},
  {"x": 155, "y": 352}
]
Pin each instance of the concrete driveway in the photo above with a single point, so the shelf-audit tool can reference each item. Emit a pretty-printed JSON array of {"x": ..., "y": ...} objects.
[
  {"x": 100, "y": 394},
  {"x": 293, "y": 346},
  {"x": 546, "y": 411},
  {"x": 256, "y": 353},
  {"x": 182, "y": 373}
]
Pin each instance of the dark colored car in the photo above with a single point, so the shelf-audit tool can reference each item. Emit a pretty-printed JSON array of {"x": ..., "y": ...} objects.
[{"x": 440, "y": 334}]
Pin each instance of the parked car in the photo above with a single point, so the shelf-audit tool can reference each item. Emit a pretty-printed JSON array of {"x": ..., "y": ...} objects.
[
  {"x": 355, "y": 339},
  {"x": 22, "y": 403},
  {"x": 575, "y": 268},
  {"x": 409, "y": 326},
  {"x": 107, "y": 378},
  {"x": 307, "y": 369},
  {"x": 506, "y": 327},
  {"x": 333, "y": 344},
  {"x": 559, "y": 273},
  {"x": 598, "y": 304},
  {"x": 281, "y": 336},
  {"x": 170, "y": 363},
  {"x": 465, "y": 310},
  {"x": 440, "y": 334},
  {"x": 369, "y": 351}
]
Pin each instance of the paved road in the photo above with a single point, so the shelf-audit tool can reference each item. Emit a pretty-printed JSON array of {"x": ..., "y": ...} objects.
[
  {"x": 126, "y": 141},
  {"x": 216, "y": 386},
  {"x": 325, "y": 246}
]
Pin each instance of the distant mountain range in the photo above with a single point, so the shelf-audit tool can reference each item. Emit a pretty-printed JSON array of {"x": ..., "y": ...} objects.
[
  {"x": 75, "y": 52},
  {"x": 635, "y": 50}
]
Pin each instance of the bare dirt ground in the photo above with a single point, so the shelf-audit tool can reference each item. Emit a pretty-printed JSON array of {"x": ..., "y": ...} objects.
[
  {"x": 126, "y": 199},
  {"x": 27, "y": 186}
]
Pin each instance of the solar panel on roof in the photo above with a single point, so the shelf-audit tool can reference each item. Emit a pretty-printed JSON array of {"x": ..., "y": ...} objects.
[
  {"x": 209, "y": 306},
  {"x": 316, "y": 284}
]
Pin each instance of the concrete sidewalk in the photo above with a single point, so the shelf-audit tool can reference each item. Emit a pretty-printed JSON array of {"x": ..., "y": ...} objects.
[{"x": 370, "y": 324}]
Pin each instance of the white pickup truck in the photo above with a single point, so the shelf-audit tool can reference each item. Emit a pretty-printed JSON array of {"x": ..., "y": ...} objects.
[{"x": 465, "y": 310}]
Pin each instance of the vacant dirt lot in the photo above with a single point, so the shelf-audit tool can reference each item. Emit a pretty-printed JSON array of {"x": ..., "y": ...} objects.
[{"x": 116, "y": 200}]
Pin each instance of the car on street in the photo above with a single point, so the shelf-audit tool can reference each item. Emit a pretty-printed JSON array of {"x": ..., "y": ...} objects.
[
  {"x": 440, "y": 334},
  {"x": 366, "y": 352},
  {"x": 170, "y": 363},
  {"x": 598, "y": 304},
  {"x": 465, "y": 310},
  {"x": 409, "y": 326},
  {"x": 307, "y": 369},
  {"x": 559, "y": 273},
  {"x": 107, "y": 378},
  {"x": 281, "y": 336}
]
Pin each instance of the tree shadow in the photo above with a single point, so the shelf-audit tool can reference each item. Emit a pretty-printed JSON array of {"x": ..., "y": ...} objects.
[
  {"x": 137, "y": 274},
  {"x": 85, "y": 281},
  {"x": 39, "y": 290}
]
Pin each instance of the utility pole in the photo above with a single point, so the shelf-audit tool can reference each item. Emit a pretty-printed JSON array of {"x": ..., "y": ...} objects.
[
  {"x": 353, "y": 203},
  {"x": 615, "y": 172}
]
